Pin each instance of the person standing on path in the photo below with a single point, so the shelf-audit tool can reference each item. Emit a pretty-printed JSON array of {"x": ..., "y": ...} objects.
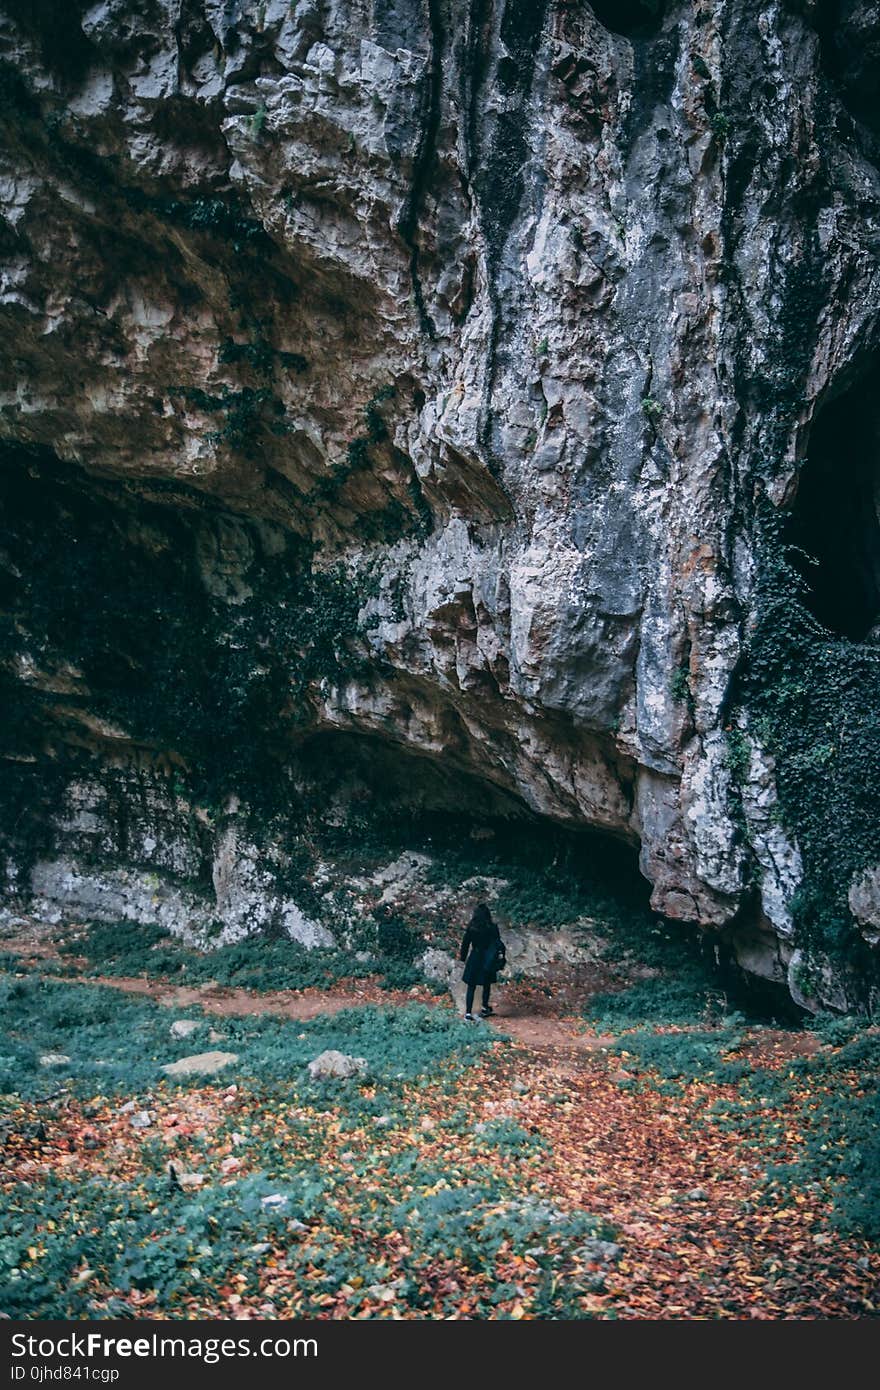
[{"x": 482, "y": 951}]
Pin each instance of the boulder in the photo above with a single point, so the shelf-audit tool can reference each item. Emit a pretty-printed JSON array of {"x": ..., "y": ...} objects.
[{"x": 437, "y": 965}]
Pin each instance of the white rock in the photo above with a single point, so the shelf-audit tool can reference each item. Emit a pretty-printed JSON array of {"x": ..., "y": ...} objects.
[
  {"x": 200, "y": 1064},
  {"x": 336, "y": 1064},
  {"x": 183, "y": 1027},
  {"x": 864, "y": 904}
]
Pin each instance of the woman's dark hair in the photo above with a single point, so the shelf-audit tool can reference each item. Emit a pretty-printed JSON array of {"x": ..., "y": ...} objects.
[{"x": 481, "y": 918}]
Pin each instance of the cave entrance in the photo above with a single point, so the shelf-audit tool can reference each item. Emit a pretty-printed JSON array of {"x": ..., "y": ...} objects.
[
  {"x": 836, "y": 515},
  {"x": 633, "y": 19},
  {"x": 402, "y": 799}
]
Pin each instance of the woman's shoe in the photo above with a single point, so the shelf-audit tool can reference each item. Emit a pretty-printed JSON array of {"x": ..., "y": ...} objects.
[
  {"x": 485, "y": 1013},
  {"x": 469, "y": 1018}
]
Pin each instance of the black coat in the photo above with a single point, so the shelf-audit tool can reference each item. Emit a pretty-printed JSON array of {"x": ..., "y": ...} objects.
[{"x": 483, "y": 954}]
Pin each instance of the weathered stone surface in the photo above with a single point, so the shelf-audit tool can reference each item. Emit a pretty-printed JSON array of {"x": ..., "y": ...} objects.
[
  {"x": 864, "y": 903},
  {"x": 438, "y": 966},
  {"x": 816, "y": 982},
  {"x": 516, "y": 320},
  {"x": 200, "y": 1064},
  {"x": 336, "y": 1065},
  {"x": 531, "y": 952},
  {"x": 248, "y": 896},
  {"x": 184, "y": 1027}
]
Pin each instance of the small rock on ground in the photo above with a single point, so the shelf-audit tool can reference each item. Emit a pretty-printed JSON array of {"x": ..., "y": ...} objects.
[
  {"x": 182, "y": 1027},
  {"x": 597, "y": 1251},
  {"x": 200, "y": 1064},
  {"x": 188, "y": 1181},
  {"x": 336, "y": 1064}
]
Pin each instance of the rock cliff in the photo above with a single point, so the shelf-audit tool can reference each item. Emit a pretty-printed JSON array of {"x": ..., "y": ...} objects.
[{"x": 473, "y": 399}]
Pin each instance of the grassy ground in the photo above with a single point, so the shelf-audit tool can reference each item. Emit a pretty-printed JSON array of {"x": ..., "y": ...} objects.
[
  {"x": 308, "y": 1187},
  {"x": 677, "y": 1170},
  {"x": 123, "y": 949}
]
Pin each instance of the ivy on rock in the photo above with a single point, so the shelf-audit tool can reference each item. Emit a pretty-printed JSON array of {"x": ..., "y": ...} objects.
[{"x": 814, "y": 703}]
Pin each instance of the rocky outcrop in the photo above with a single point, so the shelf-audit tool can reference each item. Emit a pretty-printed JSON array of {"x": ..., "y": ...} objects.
[
  {"x": 864, "y": 903},
  {"x": 416, "y": 376}
]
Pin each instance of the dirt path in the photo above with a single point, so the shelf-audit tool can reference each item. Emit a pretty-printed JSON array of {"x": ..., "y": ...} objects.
[
  {"x": 536, "y": 1031},
  {"x": 530, "y": 1014},
  {"x": 539, "y": 1031},
  {"x": 227, "y": 1001}
]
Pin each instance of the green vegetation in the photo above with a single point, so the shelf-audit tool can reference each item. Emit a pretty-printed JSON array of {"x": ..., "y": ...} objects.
[
  {"x": 377, "y": 429},
  {"x": 120, "y": 595},
  {"x": 247, "y": 413},
  {"x": 683, "y": 985},
  {"x": 737, "y": 755},
  {"x": 679, "y": 686},
  {"x": 395, "y": 518},
  {"x": 314, "y": 1178},
  {"x": 221, "y": 217},
  {"x": 552, "y": 877},
  {"x": 681, "y": 1058},
  {"x": 118, "y": 1041},
  {"x": 720, "y": 125},
  {"x": 681, "y": 1028},
  {"x": 357, "y": 457},
  {"x": 260, "y": 962},
  {"x": 813, "y": 704},
  {"x": 122, "y": 949},
  {"x": 397, "y": 945},
  {"x": 257, "y": 121}
]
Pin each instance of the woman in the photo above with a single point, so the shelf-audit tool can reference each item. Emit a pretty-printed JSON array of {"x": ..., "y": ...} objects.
[{"x": 482, "y": 950}]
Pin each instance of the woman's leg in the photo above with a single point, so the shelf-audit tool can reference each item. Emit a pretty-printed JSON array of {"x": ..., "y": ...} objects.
[
  {"x": 487, "y": 990},
  {"x": 469, "y": 1000}
]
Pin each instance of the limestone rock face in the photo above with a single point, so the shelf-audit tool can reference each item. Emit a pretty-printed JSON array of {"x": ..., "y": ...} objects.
[
  {"x": 864, "y": 902},
  {"x": 411, "y": 373}
]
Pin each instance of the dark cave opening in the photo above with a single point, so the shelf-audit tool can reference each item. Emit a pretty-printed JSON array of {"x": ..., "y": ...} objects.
[
  {"x": 420, "y": 800},
  {"x": 835, "y": 523},
  {"x": 633, "y": 19},
  {"x": 849, "y": 37}
]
